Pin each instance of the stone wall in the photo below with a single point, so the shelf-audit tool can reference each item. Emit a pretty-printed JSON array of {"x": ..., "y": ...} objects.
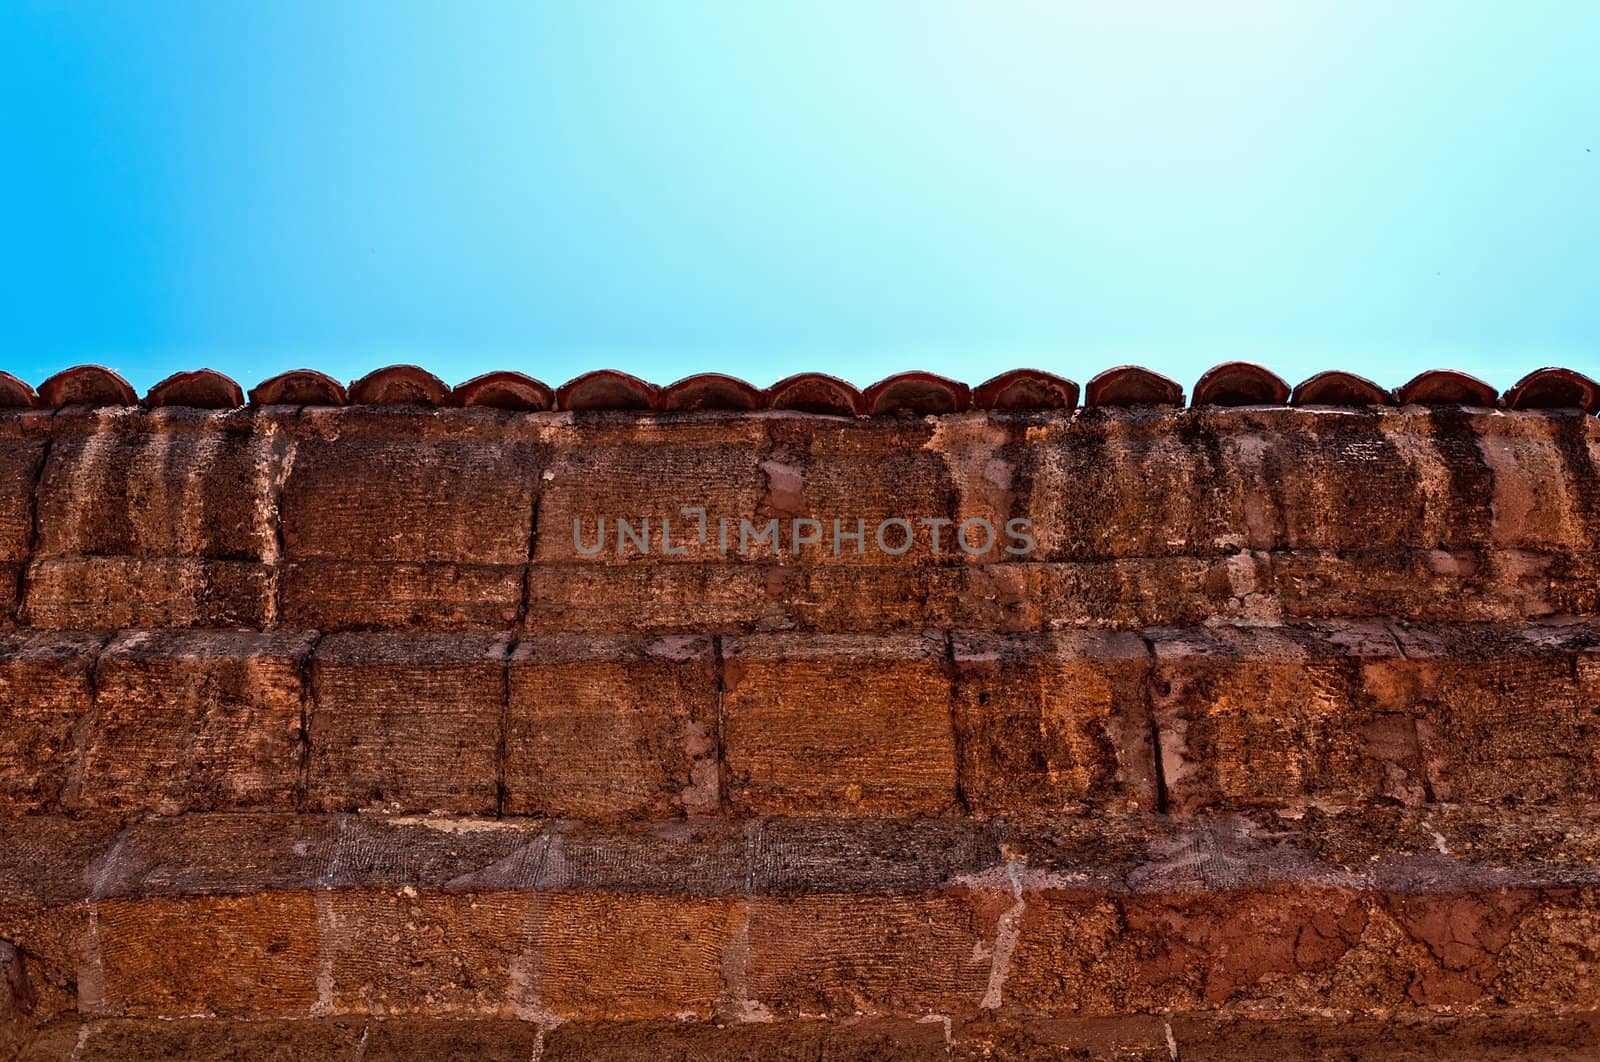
[{"x": 322, "y": 726}]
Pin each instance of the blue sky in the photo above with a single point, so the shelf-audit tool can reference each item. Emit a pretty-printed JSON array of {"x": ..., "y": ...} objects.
[{"x": 764, "y": 188}]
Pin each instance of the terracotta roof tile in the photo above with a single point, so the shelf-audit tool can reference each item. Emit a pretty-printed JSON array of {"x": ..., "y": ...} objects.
[
  {"x": 903, "y": 394},
  {"x": 86, "y": 385},
  {"x": 1129, "y": 385},
  {"x": 1240, "y": 383},
  {"x": 918, "y": 393},
  {"x": 1446, "y": 387},
  {"x": 1336, "y": 388},
  {"x": 1554, "y": 389},
  {"x": 15, "y": 394},
  {"x": 506, "y": 390},
  {"x": 606, "y": 389},
  {"x": 711, "y": 390},
  {"x": 815, "y": 392},
  {"x": 1022, "y": 389},
  {"x": 400, "y": 385},
  {"x": 299, "y": 387},
  {"x": 201, "y": 389}
]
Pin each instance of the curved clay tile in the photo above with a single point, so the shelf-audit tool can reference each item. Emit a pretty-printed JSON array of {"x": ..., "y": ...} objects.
[
  {"x": 1240, "y": 383},
  {"x": 1554, "y": 389},
  {"x": 299, "y": 387},
  {"x": 815, "y": 392},
  {"x": 506, "y": 390},
  {"x": 606, "y": 389},
  {"x": 15, "y": 393},
  {"x": 1026, "y": 389},
  {"x": 86, "y": 385},
  {"x": 1129, "y": 385},
  {"x": 710, "y": 390},
  {"x": 1336, "y": 388},
  {"x": 201, "y": 389},
  {"x": 918, "y": 393},
  {"x": 1446, "y": 387},
  {"x": 400, "y": 385}
]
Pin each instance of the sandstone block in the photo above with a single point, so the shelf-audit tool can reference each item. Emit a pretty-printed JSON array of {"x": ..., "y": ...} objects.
[
  {"x": 645, "y": 475},
  {"x": 400, "y": 951},
  {"x": 107, "y": 593},
  {"x": 838, "y": 724},
  {"x": 176, "y": 484},
  {"x": 645, "y": 598},
  {"x": 1503, "y": 715},
  {"x": 837, "y": 955},
  {"x": 407, "y": 722},
  {"x": 618, "y": 957},
  {"x": 403, "y": 1040},
  {"x": 214, "y": 1039},
  {"x": 196, "y": 721},
  {"x": 389, "y": 519},
  {"x": 869, "y": 471},
  {"x": 607, "y": 727},
  {"x": 1103, "y": 487},
  {"x": 1256, "y": 715},
  {"x": 21, "y": 460},
  {"x": 45, "y": 691},
  {"x": 245, "y": 956},
  {"x": 1051, "y": 723},
  {"x": 333, "y": 595},
  {"x": 382, "y": 498}
]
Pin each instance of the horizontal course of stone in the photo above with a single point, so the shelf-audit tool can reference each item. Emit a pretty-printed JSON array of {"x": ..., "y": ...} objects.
[
  {"x": 620, "y": 726},
  {"x": 1372, "y": 912},
  {"x": 1192, "y": 1037},
  {"x": 372, "y": 517},
  {"x": 1231, "y": 383}
]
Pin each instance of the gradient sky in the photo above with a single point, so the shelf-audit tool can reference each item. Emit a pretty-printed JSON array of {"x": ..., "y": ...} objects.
[{"x": 762, "y": 188}]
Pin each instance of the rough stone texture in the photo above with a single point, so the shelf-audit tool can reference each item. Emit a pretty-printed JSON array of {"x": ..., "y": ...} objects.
[
  {"x": 252, "y": 955},
  {"x": 848, "y": 954},
  {"x": 165, "y": 518},
  {"x": 1255, "y": 714},
  {"x": 109, "y": 592},
  {"x": 400, "y": 595},
  {"x": 400, "y": 951},
  {"x": 323, "y": 737},
  {"x": 165, "y": 484},
  {"x": 608, "y": 727},
  {"x": 615, "y": 726},
  {"x": 639, "y": 598},
  {"x": 414, "y": 519},
  {"x": 196, "y": 721},
  {"x": 1502, "y": 715},
  {"x": 1244, "y": 1037},
  {"x": 46, "y": 690},
  {"x": 629, "y": 956},
  {"x": 406, "y": 521},
  {"x": 646, "y": 474},
  {"x": 1094, "y": 917},
  {"x": 1477, "y": 713},
  {"x": 825, "y": 469},
  {"x": 1048, "y": 724},
  {"x": 854, "y": 725},
  {"x": 23, "y": 444},
  {"x": 406, "y": 722}
]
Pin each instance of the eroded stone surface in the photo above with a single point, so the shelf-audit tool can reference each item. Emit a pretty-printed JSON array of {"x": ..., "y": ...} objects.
[{"x": 1281, "y": 738}]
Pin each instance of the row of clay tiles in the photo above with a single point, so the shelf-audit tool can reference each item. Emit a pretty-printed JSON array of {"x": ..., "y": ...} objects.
[
  {"x": 914, "y": 393},
  {"x": 916, "y": 724}
]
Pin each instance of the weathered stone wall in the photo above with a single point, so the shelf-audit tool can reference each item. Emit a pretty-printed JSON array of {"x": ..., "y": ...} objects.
[
  {"x": 1292, "y": 713},
  {"x": 255, "y": 610}
]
